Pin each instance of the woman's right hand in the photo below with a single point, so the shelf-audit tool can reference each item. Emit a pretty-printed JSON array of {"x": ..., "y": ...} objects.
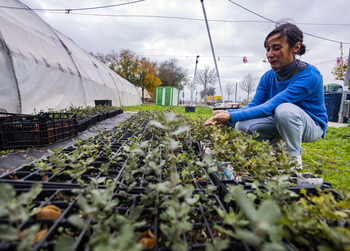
[
  {"x": 219, "y": 111},
  {"x": 218, "y": 119}
]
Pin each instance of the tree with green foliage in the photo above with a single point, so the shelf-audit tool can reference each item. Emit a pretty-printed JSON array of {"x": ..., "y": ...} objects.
[
  {"x": 126, "y": 65},
  {"x": 139, "y": 71},
  {"x": 147, "y": 76}
]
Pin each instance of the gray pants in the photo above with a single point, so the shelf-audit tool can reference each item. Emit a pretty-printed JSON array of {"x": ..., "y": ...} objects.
[{"x": 289, "y": 123}]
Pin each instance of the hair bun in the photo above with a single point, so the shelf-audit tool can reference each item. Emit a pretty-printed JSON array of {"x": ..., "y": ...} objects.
[{"x": 301, "y": 50}]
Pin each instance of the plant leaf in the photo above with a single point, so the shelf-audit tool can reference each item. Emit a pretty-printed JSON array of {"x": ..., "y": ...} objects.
[
  {"x": 76, "y": 221},
  {"x": 180, "y": 130},
  {"x": 157, "y": 124},
  {"x": 8, "y": 233},
  {"x": 245, "y": 204},
  {"x": 268, "y": 214},
  {"x": 249, "y": 237},
  {"x": 65, "y": 242}
]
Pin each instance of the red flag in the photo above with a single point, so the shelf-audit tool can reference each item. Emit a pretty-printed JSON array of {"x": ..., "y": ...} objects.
[
  {"x": 339, "y": 61},
  {"x": 245, "y": 60}
]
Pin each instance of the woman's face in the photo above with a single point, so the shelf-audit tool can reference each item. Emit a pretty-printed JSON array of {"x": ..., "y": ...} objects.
[{"x": 278, "y": 51}]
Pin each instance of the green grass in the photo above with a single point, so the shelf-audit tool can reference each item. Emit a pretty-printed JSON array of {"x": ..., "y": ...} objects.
[
  {"x": 202, "y": 112},
  {"x": 330, "y": 155}
]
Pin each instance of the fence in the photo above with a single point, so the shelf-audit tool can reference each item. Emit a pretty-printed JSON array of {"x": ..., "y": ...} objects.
[{"x": 333, "y": 96}]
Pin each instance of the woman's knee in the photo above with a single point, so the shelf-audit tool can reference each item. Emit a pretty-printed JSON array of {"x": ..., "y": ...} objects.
[
  {"x": 241, "y": 126},
  {"x": 248, "y": 126},
  {"x": 286, "y": 112}
]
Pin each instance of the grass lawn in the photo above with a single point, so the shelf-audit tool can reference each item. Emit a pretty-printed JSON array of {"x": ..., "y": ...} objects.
[{"x": 329, "y": 156}]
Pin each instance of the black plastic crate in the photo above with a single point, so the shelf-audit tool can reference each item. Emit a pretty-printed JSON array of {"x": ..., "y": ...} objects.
[
  {"x": 94, "y": 119},
  {"x": 21, "y": 130},
  {"x": 103, "y": 116},
  {"x": 115, "y": 112},
  {"x": 83, "y": 124},
  {"x": 57, "y": 127},
  {"x": 107, "y": 102}
]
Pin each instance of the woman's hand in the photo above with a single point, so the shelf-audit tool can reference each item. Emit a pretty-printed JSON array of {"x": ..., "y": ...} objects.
[
  {"x": 219, "y": 111},
  {"x": 218, "y": 119}
]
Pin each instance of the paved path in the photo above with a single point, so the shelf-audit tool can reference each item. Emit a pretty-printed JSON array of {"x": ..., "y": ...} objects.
[
  {"x": 25, "y": 156},
  {"x": 337, "y": 125}
]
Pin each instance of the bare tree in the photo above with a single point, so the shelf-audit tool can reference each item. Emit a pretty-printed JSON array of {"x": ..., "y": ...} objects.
[
  {"x": 206, "y": 78},
  {"x": 229, "y": 89},
  {"x": 248, "y": 84},
  {"x": 211, "y": 91}
]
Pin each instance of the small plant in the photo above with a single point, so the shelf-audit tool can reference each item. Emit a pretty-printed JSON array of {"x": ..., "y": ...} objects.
[
  {"x": 54, "y": 163},
  {"x": 17, "y": 209},
  {"x": 106, "y": 228}
]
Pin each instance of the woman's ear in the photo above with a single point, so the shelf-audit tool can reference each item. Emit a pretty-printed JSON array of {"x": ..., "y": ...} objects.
[{"x": 296, "y": 47}]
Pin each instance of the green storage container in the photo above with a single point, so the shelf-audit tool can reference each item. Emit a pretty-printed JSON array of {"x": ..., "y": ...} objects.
[
  {"x": 167, "y": 95},
  {"x": 333, "y": 88}
]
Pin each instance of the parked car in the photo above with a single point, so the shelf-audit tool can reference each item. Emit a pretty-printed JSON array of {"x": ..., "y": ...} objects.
[{"x": 229, "y": 104}]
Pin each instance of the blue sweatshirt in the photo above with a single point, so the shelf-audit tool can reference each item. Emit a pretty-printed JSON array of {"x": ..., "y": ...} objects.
[{"x": 304, "y": 90}]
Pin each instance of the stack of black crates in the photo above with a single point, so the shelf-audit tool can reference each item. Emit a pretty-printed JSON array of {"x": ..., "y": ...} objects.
[{"x": 22, "y": 130}]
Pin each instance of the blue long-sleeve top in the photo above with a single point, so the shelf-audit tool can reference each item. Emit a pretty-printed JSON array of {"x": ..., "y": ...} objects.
[{"x": 304, "y": 90}]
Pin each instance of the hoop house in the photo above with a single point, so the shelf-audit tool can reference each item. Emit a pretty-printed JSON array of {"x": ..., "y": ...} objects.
[{"x": 41, "y": 68}]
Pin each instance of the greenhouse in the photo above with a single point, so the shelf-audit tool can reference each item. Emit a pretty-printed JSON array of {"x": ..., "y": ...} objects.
[{"x": 43, "y": 69}]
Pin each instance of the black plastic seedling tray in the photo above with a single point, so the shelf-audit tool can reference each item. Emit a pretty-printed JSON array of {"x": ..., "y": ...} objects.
[
  {"x": 26, "y": 176},
  {"x": 223, "y": 187},
  {"x": 65, "y": 200}
]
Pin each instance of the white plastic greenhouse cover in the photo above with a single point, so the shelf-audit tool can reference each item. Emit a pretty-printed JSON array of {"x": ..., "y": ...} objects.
[{"x": 42, "y": 69}]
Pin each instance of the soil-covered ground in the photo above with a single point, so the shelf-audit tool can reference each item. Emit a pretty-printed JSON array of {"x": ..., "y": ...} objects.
[{"x": 22, "y": 156}]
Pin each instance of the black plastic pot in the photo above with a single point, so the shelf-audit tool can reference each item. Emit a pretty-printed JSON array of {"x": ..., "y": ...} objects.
[{"x": 190, "y": 109}]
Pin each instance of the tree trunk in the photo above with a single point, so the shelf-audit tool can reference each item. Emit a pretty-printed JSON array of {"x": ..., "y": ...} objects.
[{"x": 143, "y": 95}]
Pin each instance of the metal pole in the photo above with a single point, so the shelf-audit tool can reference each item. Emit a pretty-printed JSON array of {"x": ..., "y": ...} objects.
[
  {"x": 212, "y": 50},
  {"x": 194, "y": 78},
  {"x": 345, "y": 92},
  {"x": 236, "y": 93}
]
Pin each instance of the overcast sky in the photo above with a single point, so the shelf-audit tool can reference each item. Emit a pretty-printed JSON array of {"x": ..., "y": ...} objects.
[{"x": 163, "y": 29}]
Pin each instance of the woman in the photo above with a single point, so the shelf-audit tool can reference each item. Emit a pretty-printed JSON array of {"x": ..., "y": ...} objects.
[{"x": 289, "y": 100}]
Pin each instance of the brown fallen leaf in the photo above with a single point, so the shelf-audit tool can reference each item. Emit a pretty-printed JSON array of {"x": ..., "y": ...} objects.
[
  {"x": 46, "y": 177},
  {"x": 40, "y": 235},
  {"x": 49, "y": 212},
  {"x": 147, "y": 239},
  {"x": 14, "y": 177}
]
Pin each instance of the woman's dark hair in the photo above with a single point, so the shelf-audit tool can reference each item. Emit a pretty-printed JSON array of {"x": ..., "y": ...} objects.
[{"x": 292, "y": 33}]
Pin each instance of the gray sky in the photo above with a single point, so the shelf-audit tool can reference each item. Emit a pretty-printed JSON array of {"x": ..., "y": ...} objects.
[{"x": 163, "y": 29}]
